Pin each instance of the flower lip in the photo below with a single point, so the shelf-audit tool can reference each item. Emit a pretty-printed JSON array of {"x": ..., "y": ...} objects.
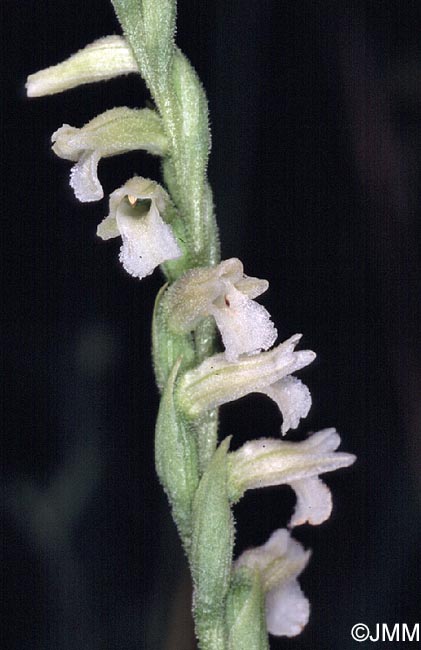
[
  {"x": 135, "y": 215},
  {"x": 278, "y": 563},
  {"x": 287, "y": 610}
]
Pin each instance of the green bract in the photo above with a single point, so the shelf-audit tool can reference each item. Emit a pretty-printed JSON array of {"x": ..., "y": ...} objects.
[
  {"x": 176, "y": 459},
  {"x": 211, "y": 553},
  {"x": 245, "y": 612},
  {"x": 168, "y": 348}
]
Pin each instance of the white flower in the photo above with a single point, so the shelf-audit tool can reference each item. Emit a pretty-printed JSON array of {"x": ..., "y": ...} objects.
[
  {"x": 266, "y": 462},
  {"x": 217, "y": 381},
  {"x": 114, "y": 132},
  {"x": 135, "y": 216},
  {"x": 224, "y": 292},
  {"x": 279, "y": 562},
  {"x": 103, "y": 59}
]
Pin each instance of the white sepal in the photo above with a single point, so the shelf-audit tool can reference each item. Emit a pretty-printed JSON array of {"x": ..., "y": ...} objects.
[{"x": 103, "y": 59}]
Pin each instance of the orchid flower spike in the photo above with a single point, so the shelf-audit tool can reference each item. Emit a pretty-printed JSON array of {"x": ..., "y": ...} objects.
[
  {"x": 278, "y": 563},
  {"x": 135, "y": 215},
  {"x": 217, "y": 381},
  {"x": 266, "y": 462},
  {"x": 224, "y": 292},
  {"x": 114, "y": 132}
]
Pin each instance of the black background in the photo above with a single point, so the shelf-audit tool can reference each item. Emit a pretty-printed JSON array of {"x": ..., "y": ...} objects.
[{"x": 316, "y": 121}]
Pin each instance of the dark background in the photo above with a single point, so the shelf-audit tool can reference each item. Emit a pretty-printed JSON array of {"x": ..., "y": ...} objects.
[{"x": 316, "y": 170}]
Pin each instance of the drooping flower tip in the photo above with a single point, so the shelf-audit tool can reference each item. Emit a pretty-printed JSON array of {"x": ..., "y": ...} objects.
[
  {"x": 135, "y": 215},
  {"x": 103, "y": 59},
  {"x": 227, "y": 294},
  {"x": 279, "y": 562}
]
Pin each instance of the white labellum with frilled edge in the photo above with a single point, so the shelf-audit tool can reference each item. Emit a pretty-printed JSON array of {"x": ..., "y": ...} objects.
[{"x": 135, "y": 215}]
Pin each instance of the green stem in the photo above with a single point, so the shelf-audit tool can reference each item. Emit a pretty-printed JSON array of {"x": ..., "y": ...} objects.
[
  {"x": 149, "y": 26},
  {"x": 211, "y": 634}
]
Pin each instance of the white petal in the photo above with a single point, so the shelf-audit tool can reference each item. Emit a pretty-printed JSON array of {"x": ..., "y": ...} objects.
[
  {"x": 67, "y": 143},
  {"x": 251, "y": 287},
  {"x": 323, "y": 441},
  {"x": 287, "y": 610},
  {"x": 293, "y": 399},
  {"x": 245, "y": 326},
  {"x": 108, "y": 228},
  {"x": 262, "y": 556},
  {"x": 190, "y": 297},
  {"x": 231, "y": 269},
  {"x": 278, "y": 561},
  {"x": 140, "y": 188},
  {"x": 314, "y": 502},
  {"x": 147, "y": 242},
  {"x": 84, "y": 178}
]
